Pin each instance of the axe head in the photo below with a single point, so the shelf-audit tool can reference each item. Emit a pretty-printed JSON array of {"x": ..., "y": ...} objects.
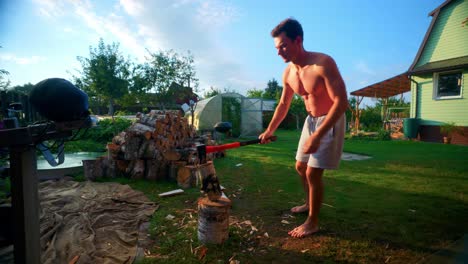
[{"x": 211, "y": 187}]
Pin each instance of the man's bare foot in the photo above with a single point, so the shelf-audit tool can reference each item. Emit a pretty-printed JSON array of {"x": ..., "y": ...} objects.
[
  {"x": 303, "y": 230},
  {"x": 300, "y": 209}
]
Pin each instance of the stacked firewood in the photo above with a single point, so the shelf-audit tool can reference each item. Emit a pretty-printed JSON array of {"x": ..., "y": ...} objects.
[{"x": 154, "y": 147}]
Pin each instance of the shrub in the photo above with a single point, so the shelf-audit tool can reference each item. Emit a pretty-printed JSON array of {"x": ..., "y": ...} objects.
[
  {"x": 106, "y": 129},
  {"x": 383, "y": 134}
]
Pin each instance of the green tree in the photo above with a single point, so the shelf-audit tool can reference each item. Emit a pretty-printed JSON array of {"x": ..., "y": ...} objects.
[
  {"x": 212, "y": 92},
  {"x": 105, "y": 74},
  {"x": 370, "y": 118},
  {"x": 4, "y": 81},
  {"x": 165, "y": 67},
  {"x": 254, "y": 93},
  {"x": 138, "y": 85},
  {"x": 384, "y": 103},
  {"x": 273, "y": 90},
  {"x": 297, "y": 109},
  {"x": 23, "y": 89}
]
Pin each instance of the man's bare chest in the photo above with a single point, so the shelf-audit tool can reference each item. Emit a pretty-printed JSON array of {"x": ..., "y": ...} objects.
[{"x": 305, "y": 83}]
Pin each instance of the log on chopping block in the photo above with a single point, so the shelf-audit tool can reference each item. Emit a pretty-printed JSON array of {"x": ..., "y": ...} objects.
[
  {"x": 213, "y": 220},
  {"x": 193, "y": 175}
]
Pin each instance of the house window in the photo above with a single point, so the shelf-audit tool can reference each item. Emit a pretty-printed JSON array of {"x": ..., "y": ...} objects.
[{"x": 447, "y": 85}]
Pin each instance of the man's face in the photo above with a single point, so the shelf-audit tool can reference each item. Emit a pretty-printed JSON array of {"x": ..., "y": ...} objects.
[{"x": 285, "y": 46}]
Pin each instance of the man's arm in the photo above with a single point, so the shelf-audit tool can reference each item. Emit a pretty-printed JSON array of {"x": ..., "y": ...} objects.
[
  {"x": 280, "y": 111},
  {"x": 336, "y": 90}
]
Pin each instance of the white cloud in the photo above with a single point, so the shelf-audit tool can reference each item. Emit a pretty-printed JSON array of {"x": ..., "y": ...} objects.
[
  {"x": 51, "y": 8},
  {"x": 181, "y": 25},
  {"x": 21, "y": 60},
  {"x": 364, "y": 68},
  {"x": 133, "y": 8},
  {"x": 193, "y": 25}
]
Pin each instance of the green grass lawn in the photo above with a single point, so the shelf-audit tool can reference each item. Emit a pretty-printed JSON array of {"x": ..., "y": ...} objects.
[{"x": 402, "y": 205}]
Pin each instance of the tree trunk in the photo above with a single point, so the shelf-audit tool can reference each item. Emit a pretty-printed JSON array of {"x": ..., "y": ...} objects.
[{"x": 111, "y": 107}]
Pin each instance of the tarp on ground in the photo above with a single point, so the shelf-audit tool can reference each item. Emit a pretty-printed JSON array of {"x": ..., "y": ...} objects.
[{"x": 92, "y": 222}]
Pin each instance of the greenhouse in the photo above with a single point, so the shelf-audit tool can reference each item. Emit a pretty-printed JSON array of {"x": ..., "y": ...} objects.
[{"x": 244, "y": 114}]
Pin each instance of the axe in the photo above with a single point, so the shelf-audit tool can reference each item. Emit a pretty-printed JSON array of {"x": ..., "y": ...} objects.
[
  {"x": 210, "y": 184},
  {"x": 204, "y": 149}
]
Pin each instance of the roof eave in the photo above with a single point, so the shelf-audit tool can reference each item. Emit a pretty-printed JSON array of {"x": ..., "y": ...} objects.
[{"x": 448, "y": 68}]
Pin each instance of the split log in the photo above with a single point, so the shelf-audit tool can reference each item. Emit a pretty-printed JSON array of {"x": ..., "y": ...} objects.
[
  {"x": 193, "y": 175},
  {"x": 142, "y": 150},
  {"x": 187, "y": 154},
  {"x": 153, "y": 120},
  {"x": 143, "y": 130},
  {"x": 184, "y": 177},
  {"x": 174, "y": 169},
  {"x": 121, "y": 166},
  {"x": 119, "y": 139},
  {"x": 163, "y": 170},
  {"x": 172, "y": 155},
  {"x": 171, "y": 193},
  {"x": 138, "y": 170},
  {"x": 99, "y": 168},
  {"x": 131, "y": 148},
  {"x": 88, "y": 169},
  {"x": 152, "y": 170},
  {"x": 111, "y": 170},
  {"x": 151, "y": 151},
  {"x": 113, "y": 150}
]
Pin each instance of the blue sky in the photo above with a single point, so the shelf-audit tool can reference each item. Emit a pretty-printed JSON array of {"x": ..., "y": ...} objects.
[{"x": 371, "y": 40}]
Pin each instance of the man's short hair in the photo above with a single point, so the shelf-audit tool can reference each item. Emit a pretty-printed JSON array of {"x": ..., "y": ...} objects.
[{"x": 291, "y": 27}]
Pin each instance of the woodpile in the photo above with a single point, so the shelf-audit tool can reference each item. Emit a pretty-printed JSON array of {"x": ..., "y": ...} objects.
[{"x": 155, "y": 147}]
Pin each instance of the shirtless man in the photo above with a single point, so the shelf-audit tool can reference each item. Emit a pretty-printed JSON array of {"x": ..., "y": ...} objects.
[{"x": 315, "y": 77}]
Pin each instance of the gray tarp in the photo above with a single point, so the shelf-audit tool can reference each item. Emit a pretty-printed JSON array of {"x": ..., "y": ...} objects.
[{"x": 98, "y": 222}]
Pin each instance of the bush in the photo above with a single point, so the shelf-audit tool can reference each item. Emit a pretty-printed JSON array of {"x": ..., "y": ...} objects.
[
  {"x": 122, "y": 113},
  {"x": 106, "y": 129},
  {"x": 383, "y": 135}
]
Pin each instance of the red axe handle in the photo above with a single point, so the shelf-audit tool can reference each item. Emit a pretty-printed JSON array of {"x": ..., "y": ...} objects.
[
  {"x": 211, "y": 149},
  {"x": 203, "y": 149}
]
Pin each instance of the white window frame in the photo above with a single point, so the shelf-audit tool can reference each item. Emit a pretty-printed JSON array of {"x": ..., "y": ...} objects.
[{"x": 436, "y": 85}]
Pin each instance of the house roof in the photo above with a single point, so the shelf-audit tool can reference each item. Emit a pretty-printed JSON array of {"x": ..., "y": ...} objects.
[
  {"x": 443, "y": 65},
  {"x": 435, "y": 13},
  {"x": 390, "y": 87}
]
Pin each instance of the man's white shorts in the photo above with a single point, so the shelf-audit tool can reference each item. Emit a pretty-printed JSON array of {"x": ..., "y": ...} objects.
[{"x": 328, "y": 155}]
